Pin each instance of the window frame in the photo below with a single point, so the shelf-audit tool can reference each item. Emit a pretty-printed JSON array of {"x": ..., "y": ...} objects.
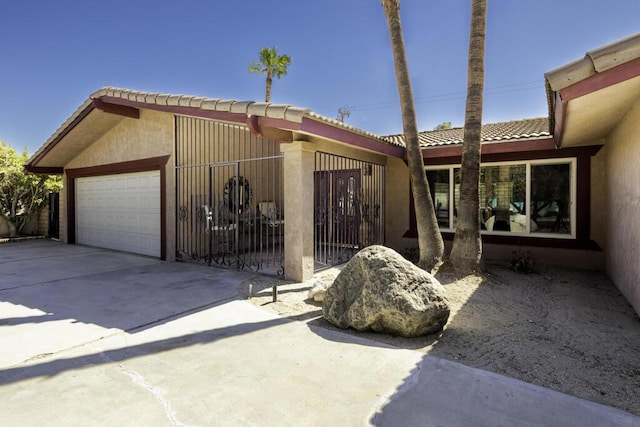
[{"x": 573, "y": 191}]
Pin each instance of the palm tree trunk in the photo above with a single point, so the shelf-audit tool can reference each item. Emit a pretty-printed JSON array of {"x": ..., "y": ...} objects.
[
  {"x": 267, "y": 96},
  {"x": 466, "y": 254},
  {"x": 429, "y": 237}
]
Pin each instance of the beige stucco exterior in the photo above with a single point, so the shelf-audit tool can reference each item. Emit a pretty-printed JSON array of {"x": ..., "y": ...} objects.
[
  {"x": 598, "y": 198},
  {"x": 299, "y": 158},
  {"x": 397, "y": 205},
  {"x": 622, "y": 202},
  {"x": 150, "y": 136}
]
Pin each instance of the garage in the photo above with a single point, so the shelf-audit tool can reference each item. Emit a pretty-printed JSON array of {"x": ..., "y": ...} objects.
[{"x": 120, "y": 212}]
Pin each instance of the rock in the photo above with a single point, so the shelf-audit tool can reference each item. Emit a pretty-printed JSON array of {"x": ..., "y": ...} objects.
[
  {"x": 320, "y": 285},
  {"x": 381, "y": 291},
  {"x": 317, "y": 292}
]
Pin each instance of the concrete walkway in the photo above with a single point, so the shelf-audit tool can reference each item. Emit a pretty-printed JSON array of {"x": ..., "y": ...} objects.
[{"x": 93, "y": 337}]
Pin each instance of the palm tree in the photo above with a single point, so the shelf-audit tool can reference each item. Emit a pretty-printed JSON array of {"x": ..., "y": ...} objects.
[
  {"x": 271, "y": 64},
  {"x": 429, "y": 238},
  {"x": 466, "y": 254}
]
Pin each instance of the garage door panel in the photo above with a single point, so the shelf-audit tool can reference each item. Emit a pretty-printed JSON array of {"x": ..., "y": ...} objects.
[{"x": 120, "y": 212}]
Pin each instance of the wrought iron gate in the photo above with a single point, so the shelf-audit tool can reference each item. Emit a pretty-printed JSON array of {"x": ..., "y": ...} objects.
[
  {"x": 349, "y": 207},
  {"x": 54, "y": 215},
  {"x": 229, "y": 212}
]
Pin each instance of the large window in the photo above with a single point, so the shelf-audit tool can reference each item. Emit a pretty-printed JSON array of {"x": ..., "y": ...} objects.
[{"x": 533, "y": 198}]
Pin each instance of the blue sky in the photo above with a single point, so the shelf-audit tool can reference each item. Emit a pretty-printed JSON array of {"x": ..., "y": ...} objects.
[{"x": 54, "y": 54}]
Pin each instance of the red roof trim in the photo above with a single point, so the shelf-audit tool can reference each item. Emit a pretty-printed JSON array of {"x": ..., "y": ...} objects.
[
  {"x": 587, "y": 86},
  {"x": 175, "y": 109},
  {"x": 492, "y": 148},
  {"x": 270, "y": 122},
  {"x": 44, "y": 170},
  {"x": 602, "y": 80},
  {"x": 343, "y": 135},
  {"x": 560, "y": 115},
  {"x": 120, "y": 110}
]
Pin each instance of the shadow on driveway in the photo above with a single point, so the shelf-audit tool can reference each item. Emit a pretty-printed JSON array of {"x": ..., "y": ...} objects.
[
  {"x": 56, "y": 366},
  {"x": 55, "y": 296}
]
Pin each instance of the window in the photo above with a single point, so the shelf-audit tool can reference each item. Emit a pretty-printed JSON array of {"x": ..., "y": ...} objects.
[
  {"x": 533, "y": 198},
  {"x": 551, "y": 198},
  {"x": 439, "y": 186}
]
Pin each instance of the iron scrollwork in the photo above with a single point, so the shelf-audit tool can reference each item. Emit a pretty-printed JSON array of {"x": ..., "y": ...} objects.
[{"x": 237, "y": 195}]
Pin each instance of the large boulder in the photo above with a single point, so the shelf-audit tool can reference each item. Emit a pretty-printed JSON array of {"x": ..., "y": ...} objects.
[{"x": 381, "y": 291}]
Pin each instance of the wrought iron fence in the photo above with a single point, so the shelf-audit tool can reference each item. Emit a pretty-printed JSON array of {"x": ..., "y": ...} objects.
[
  {"x": 229, "y": 197},
  {"x": 348, "y": 207}
]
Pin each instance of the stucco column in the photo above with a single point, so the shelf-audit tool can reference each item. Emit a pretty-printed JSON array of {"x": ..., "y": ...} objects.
[{"x": 299, "y": 164}]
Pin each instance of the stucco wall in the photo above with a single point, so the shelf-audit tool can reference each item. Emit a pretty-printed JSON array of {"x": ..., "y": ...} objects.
[
  {"x": 623, "y": 203},
  {"x": 397, "y": 205},
  {"x": 152, "y": 135},
  {"x": 598, "y": 198}
]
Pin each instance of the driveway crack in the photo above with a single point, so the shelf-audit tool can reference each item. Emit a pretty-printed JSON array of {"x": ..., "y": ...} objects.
[{"x": 158, "y": 393}]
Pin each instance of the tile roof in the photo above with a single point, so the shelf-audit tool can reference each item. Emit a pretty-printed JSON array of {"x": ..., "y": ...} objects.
[
  {"x": 491, "y": 132},
  {"x": 494, "y": 132},
  {"x": 250, "y": 108},
  {"x": 286, "y": 112},
  {"x": 276, "y": 111}
]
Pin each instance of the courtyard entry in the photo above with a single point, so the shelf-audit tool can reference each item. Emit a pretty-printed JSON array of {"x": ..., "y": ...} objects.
[
  {"x": 348, "y": 207},
  {"x": 229, "y": 191}
]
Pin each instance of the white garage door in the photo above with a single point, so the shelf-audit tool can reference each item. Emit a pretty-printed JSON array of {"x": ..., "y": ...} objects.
[{"x": 120, "y": 212}]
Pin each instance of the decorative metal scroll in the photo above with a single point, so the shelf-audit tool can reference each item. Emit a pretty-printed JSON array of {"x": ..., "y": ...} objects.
[{"x": 237, "y": 195}]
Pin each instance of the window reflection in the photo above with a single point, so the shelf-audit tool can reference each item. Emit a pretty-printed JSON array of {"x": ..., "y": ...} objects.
[
  {"x": 439, "y": 187},
  {"x": 503, "y": 198},
  {"x": 550, "y": 198}
]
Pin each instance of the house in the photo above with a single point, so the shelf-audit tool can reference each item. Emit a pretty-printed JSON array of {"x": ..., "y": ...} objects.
[
  {"x": 182, "y": 177},
  {"x": 278, "y": 188}
]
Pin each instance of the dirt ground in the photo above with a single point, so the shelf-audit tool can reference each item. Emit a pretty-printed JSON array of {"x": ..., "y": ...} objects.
[{"x": 570, "y": 331}]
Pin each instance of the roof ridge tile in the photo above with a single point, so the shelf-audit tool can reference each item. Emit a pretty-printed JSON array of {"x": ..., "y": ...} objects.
[
  {"x": 185, "y": 100},
  {"x": 240, "y": 107},
  {"x": 225, "y": 104}
]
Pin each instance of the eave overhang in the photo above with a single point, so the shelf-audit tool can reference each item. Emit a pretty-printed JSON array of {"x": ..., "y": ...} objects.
[{"x": 588, "y": 97}]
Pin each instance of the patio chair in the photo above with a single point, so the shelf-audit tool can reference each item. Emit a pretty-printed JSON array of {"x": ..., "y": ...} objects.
[
  {"x": 271, "y": 221},
  {"x": 269, "y": 214}
]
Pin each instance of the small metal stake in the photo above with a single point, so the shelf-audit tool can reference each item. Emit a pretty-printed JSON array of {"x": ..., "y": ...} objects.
[
  {"x": 250, "y": 290},
  {"x": 275, "y": 293}
]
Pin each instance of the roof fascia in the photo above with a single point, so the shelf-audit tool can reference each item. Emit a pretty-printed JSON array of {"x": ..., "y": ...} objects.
[
  {"x": 326, "y": 130},
  {"x": 589, "y": 85},
  {"x": 43, "y": 170},
  {"x": 511, "y": 156},
  {"x": 272, "y": 129},
  {"x": 601, "y": 80},
  {"x": 120, "y": 110},
  {"x": 559, "y": 116},
  {"x": 226, "y": 116},
  {"x": 539, "y": 144}
]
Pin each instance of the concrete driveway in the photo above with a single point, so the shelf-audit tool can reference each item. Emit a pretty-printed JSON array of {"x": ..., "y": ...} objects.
[{"x": 95, "y": 337}]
